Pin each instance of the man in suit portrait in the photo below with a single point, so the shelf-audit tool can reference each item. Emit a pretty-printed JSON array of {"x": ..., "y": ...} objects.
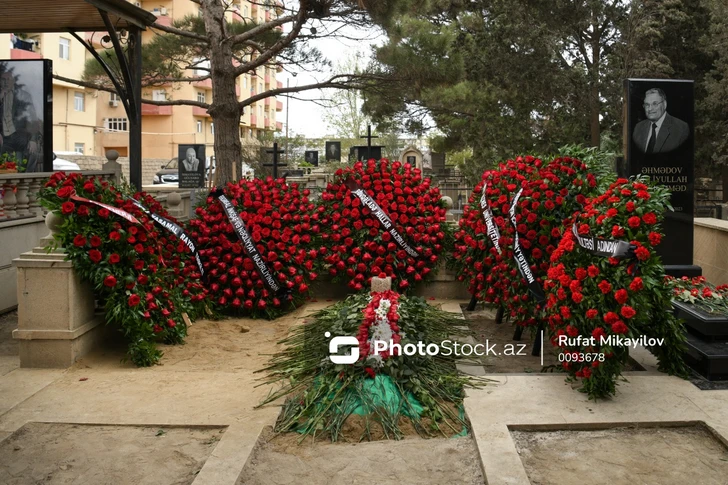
[{"x": 660, "y": 132}]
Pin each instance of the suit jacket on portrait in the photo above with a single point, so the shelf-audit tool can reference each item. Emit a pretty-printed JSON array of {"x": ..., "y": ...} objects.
[{"x": 673, "y": 133}]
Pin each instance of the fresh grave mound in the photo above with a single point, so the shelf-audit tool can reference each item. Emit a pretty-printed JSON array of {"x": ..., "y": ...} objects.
[
  {"x": 623, "y": 456},
  {"x": 381, "y": 394},
  {"x": 78, "y": 453},
  {"x": 279, "y": 459}
]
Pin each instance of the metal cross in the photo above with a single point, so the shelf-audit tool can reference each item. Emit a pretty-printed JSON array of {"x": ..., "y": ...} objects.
[
  {"x": 369, "y": 140},
  {"x": 275, "y": 151}
]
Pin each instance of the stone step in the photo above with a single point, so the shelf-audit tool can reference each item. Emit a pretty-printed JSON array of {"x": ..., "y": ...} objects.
[
  {"x": 43, "y": 256},
  {"x": 709, "y": 359},
  {"x": 43, "y": 250}
]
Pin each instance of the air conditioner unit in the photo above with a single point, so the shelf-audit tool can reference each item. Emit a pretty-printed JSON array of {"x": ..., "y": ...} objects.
[
  {"x": 163, "y": 10},
  {"x": 138, "y": 4},
  {"x": 114, "y": 103}
]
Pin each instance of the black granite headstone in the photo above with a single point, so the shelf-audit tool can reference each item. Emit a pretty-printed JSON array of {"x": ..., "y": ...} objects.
[
  {"x": 191, "y": 166},
  {"x": 659, "y": 142},
  {"x": 438, "y": 161},
  {"x": 364, "y": 152}
]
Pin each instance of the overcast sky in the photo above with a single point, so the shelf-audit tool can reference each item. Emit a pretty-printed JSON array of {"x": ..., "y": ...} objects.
[{"x": 306, "y": 117}]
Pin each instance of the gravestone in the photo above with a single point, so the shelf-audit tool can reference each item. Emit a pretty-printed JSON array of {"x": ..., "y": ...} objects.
[
  {"x": 363, "y": 152},
  {"x": 659, "y": 142},
  {"x": 438, "y": 161}
]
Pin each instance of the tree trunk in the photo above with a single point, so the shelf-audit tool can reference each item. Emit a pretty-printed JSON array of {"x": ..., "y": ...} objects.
[
  {"x": 224, "y": 110},
  {"x": 594, "y": 102}
]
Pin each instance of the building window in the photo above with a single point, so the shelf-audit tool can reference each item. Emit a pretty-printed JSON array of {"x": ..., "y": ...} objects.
[
  {"x": 212, "y": 128},
  {"x": 201, "y": 96},
  {"x": 199, "y": 127},
  {"x": 116, "y": 124},
  {"x": 159, "y": 95},
  {"x": 79, "y": 101},
  {"x": 113, "y": 97},
  {"x": 79, "y": 148},
  {"x": 64, "y": 48}
]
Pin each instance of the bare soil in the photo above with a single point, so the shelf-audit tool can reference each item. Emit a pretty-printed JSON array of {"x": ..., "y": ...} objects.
[
  {"x": 113, "y": 455},
  {"x": 280, "y": 459},
  {"x": 482, "y": 324},
  {"x": 623, "y": 456}
]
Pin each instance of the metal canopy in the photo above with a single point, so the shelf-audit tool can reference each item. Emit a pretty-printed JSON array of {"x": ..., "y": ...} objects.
[{"x": 38, "y": 16}]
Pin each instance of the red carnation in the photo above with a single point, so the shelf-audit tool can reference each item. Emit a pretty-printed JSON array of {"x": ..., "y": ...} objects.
[
  {"x": 134, "y": 300},
  {"x": 642, "y": 253},
  {"x": 591, "y": 313},
  {"x": 94, "y": 255},
  {"x": 82, "y": 211},
  {"x": 79, "y": 241},
  {"x": 627, "y": 311},
  {"x": 95, "y": 241},
  {"x": 114, "y": 236},
  {"x": 65, "y": 192},
  {"x": 370, "y": 372},
  {"x": 593, "y": 271},
  {"x": 89, "y": 187},
  {"x": 634, "y": 222},
  {"x": 598, "y": 333},
  {"x": 617, "y": 231},
  {"x": 114, "y": 258},
  {"x": 630, "y": 206},
  {"x": 110, "y": 281},
  {"x": 650, "y": 218},
  {"x": 605, "y": 286},
  {"x": 621, "y": 296},
  {"x": 655, "y": 238},
  {"x": 68, "y": 207},
  {"x": 103, "y": 213},
  {"x": 619, "y": 327},
  {"x": 636, "y": 284}
]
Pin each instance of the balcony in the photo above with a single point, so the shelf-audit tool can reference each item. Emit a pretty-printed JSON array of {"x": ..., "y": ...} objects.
[
  {"x": 207, "y": 83},
  {"x": 153, "y": 110},
  {"x": 164, "y": 20},
  {"x": 253, "y": 120},
  {"x": 279, "y": 105},
  {"x": 267, "y": 102},
  {"x": 279, "y": 84},
  {"x": 266, "y": 122},
  {"x": 197, "y": 111},
  {"x": 267, "y": 79},
  {"x": 18, "y": 54},
  {"x": 279, "y": 126}
]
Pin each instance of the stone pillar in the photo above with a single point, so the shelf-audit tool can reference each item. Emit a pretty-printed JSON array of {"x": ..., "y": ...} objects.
[
  {"x": 112, "y": 164},
  {"x": 57, "y": 323}
]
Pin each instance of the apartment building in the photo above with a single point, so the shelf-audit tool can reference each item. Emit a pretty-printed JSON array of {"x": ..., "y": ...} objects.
[{"x": 91, "y": 122}]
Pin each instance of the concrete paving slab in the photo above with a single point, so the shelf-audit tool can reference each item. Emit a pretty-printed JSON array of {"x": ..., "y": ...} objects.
[
  {"x": 231, "y": 454},
  {"x": 8, "y": 363},
  {"x": 21, "y": 384},
  {"x": 546, "y": 400}
]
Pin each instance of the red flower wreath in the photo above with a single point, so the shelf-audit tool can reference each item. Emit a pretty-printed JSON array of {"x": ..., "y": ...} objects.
[
  {"x": 359, "y": 247},
  {"x": 278, "y": 218}
]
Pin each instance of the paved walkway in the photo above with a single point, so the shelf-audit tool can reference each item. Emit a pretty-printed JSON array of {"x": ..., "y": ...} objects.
[{"x": 211, "y": 381}]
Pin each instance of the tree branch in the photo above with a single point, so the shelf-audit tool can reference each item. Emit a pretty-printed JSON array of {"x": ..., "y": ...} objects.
[
  {"x": 180, "y": 32},
  {"x": 101, "y": 87}
]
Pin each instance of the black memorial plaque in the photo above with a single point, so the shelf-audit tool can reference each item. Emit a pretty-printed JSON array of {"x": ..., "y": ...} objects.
[
  {"x": 333, "y": 150},
  {"x": 659, "y": 143},
  {"x": 191, "y": 165},
  {"x": 311, "y": 156}
]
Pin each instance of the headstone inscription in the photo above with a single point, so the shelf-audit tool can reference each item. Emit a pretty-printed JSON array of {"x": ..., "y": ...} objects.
[{"x": 659, "y": 143}]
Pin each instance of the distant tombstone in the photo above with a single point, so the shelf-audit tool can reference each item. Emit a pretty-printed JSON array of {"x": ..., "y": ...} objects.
[
  {"x": 333, "y": 150},
  {"x": 363, "y": 152},
  {"x": 191, "y": 166},
  {"x": 659, "y": 142},
  {"x": 311, "y": 156},
  {"x": 412, "y": 156},
  {"x": 438, "y": 161},
  {"x": 294, "y": 173}
]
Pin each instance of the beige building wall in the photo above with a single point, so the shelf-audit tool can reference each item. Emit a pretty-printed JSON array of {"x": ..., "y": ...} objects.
[{"x": 103, "y": 123}]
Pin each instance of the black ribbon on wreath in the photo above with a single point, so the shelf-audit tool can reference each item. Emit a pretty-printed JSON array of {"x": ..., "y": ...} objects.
[
  {"x": 249, "y": 246},
  {"x": 519, "y": 255},
  {"x": 608, "y": 248},
  {"x": 178, "y": 232},
  {"x": 490, "y": 225},
  {"x": 381, "y": 216}
]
